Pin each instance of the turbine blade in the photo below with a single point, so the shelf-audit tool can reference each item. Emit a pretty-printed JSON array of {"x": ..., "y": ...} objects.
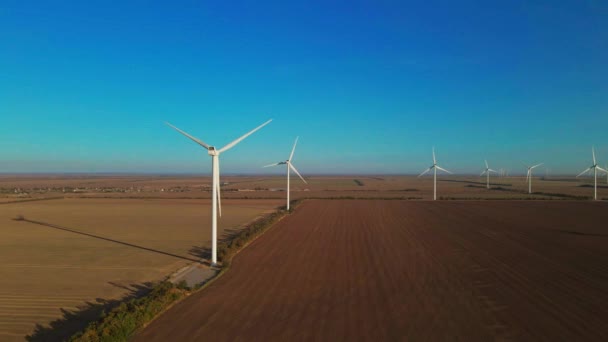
[
  {"x": 537, "y": 165},
  {"x": 296, "y": 171},
  {"x": 425, "y": 171},
  {"x": 275, "y": 164},
  {"x": 490, "y": 170},
  {"x": 434, "y": 159},
  {"x": 593, "y": 152},
  {"x": 487, "y": 166},
  {"x": 198, "y": 141},
  {"x": 293, "y": 149},
  {"x": 231, "y": 145},
  {"x": 582, "y": 173},
  {"x": 599, "y": 168},
  {"x": 483, "y": 173},
  {"x": 442, "y": 169},
  {"x": 219, "y": 197}
]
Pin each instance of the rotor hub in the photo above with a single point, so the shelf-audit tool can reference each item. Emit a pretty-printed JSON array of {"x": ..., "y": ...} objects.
[{"x": 212, "y": 151}]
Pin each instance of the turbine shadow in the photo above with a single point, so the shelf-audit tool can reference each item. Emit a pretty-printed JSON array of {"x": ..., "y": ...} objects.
[
  {"x": 204, "y": 253},
  {"x": 229, "y": 234},
  {"x": 540, "y": 193},
  {"x": 571, "y": 232},
  {"x": 472, "y": 182},
  {"x": 591, "y": 186},
  {"x": 561, "y": 179},
  {"x": 45, "y": 224},
  {"x": 500, "y": 188},
  {"x": 74, "y": 321},
  {"x": 201, "y": 253}
]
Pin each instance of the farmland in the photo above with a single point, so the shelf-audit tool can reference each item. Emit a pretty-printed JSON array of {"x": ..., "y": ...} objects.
[
  {"x": 91, "y": 239},
  {"x": 82, "y": 253},
  {"x": 390, "y": 270},
  {"x": 251, "y": 187}
]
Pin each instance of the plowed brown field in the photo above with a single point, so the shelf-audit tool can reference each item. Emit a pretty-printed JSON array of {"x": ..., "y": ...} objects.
[{"x": 393, "y": 270}]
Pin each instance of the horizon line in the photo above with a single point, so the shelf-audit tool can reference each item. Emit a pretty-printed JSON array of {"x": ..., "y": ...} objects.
[{"x": 236, "y": 174}]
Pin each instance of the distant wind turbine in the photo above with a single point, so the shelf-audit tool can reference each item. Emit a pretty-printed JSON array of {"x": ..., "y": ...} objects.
[
  {"x": 593, "y": 167},
  {"x": 434, "y": 167},
  {"x": 289, "y": 168},
  {"x": 487, "y": 172},
  {"x": 215, "y": 189},
  {"x": 529, "y": 176}
]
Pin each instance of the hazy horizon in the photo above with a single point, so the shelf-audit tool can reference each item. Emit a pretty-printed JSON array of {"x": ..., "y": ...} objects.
[{"x": 229, "y": 174}]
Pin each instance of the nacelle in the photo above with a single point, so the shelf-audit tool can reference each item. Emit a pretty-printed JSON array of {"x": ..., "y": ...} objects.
[{"x": 212, "y": 151}]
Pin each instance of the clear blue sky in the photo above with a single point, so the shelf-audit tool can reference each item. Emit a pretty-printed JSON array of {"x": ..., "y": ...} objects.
[{"x": 369, "y": 87}]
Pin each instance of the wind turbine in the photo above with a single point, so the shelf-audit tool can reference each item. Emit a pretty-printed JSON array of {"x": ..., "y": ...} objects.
[
  {"x": 487, "y": 172},
  {"x": 593, "y": 167},
  {"x": 434, "y": 167},
  {"x": 215, "y": 189},
  {"x": 289, "y": 168},
  {"x": 529, "y": 176}
]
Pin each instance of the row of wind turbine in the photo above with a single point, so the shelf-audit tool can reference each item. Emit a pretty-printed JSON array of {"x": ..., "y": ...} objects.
[
  {"x": 216, "y": 205},
  {"x": 594, "y": 167},
  {"x": 488, "y": 170}
]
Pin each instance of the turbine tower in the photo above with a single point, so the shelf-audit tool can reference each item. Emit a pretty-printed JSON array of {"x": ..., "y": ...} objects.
[
  {"x": 593, "y": 167},
  {"x": 289, "y": 168},
  {"x": 215, "y": 188},
  {"x": 529, "y": 176},
  {"x": 434, "y": 167},
  {"x": 487, "y": 172}
]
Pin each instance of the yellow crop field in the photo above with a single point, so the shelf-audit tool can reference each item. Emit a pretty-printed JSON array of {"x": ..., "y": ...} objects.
[{"x": 71, "y": 252}]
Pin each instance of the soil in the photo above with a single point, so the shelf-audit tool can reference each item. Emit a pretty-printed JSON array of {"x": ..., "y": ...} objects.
[{"x": 396, "y": 270}]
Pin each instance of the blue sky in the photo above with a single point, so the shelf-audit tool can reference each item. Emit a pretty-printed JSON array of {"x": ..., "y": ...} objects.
[{"x": 369, "y": 87}]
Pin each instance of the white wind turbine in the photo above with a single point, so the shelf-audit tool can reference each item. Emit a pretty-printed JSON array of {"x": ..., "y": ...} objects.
[
  {"x": 434, "y": 167},
  {"x": 215, "y": 188},
  {"x": 487, "y": 172},
  {"x": 593, "y": 167},
  {"x": 289, "y": 168},
  {"x": 529, "y": 176}
]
